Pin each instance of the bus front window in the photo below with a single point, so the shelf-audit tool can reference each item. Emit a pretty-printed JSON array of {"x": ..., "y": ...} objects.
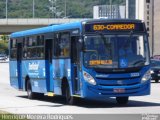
[{"x": 116, "y": 51}]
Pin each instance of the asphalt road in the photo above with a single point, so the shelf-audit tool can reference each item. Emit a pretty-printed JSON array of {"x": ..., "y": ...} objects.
[{"x": 15, "y": 101}]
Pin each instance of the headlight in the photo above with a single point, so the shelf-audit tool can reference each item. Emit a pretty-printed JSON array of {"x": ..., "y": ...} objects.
[
  {"x": 89, "y": 78},
  {"x": 146, "y": 76}
]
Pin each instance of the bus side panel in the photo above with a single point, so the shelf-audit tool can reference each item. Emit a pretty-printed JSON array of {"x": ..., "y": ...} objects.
[
  {"x": 13, "y": 74},
  {"x": 61, "y": 68},
  {"x": 35, "y": 69}
]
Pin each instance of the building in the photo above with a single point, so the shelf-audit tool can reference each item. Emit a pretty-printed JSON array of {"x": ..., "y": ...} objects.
[
  {"x": 109, "y": 11},
  {"x": 144, "y": 11},
  {"x": 131, "y": 9},
  {"x": 156, "y": 27}
]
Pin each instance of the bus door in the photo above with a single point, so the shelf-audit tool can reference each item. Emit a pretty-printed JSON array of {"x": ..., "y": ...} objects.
[
  {"x": 48, "y": 64},
  {"x": 19, "y": 65},
  {"x": 75, "y": 65}
]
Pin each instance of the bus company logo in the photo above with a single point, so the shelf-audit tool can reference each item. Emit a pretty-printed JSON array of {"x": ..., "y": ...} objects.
[
  {"x": 33, "y": 66},
  {"x": 135, "y": 74},
  {"x": 102, "y": 76}
]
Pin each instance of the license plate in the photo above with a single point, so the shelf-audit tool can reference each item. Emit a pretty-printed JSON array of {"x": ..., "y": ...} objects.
[{"x": 119, "y": 90}]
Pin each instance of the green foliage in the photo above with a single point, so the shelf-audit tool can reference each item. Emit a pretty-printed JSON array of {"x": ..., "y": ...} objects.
[
  {"x": 4, "y": 37},
  {"x": 75, "y": 8},
  {"x": 4, "y": 44},
  {"x": 3, "y": 47}
]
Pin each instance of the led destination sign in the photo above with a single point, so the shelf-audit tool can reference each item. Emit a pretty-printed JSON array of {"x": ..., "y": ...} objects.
[{"x": 114, "y": 27}]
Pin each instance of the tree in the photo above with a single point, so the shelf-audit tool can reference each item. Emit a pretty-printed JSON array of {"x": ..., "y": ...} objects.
[
  {"x": 3, "y": 47},
  {"x": 4, "y": 38},
  {"x": 4, "y": 44}
]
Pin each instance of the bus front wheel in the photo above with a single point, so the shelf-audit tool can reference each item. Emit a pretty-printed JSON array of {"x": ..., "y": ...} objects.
[
  {"x": 69, "y": 99},
  {"x": 122, "y": 100}
]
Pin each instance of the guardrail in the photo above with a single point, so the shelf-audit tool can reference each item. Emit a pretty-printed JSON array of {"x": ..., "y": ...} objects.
[{"x": 37, "y": 21}]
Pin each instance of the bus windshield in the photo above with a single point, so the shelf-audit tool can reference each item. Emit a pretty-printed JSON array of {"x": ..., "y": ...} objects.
[{"x": 116, "y": 51}]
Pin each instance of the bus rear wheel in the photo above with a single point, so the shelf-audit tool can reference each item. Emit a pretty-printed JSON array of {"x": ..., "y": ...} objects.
[
  {"x": 31, "y": 94},
  {"x": 29, "y": 90},
  {"x": 122, "y": 100},
  {"x": 69, "y": 99}
]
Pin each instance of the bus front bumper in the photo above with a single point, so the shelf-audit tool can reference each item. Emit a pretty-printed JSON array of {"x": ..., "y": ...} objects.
[{"x": 101, "y": 92}]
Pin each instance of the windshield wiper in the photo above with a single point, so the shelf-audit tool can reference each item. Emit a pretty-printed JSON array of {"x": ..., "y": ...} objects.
[{"x": 139, "y": 62}]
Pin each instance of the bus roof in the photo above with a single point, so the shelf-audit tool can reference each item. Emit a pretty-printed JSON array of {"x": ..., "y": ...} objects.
[
  {"x": 51, "y": 28},
  {"x": 113, "y": 20},
  {"x": 61, "y": 27}
]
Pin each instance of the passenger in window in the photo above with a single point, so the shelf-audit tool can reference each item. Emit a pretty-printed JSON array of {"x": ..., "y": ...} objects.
[
  {"x": 24, "y": 54},
  {"x": 66, "y": 52},
  {"x": 28, "y": 54}
]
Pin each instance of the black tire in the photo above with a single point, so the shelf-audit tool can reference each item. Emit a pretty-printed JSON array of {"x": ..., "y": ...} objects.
[
  {"x": 30, "y": 94},
  {"x": 156, "y": 80},
  {"x": 69, "y": 99},
  {"x": 33, "y": 95},
  {"x": 122, "y": 100}
]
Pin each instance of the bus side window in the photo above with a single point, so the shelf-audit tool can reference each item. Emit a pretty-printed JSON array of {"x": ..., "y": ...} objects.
[
  {"x": 30, "y": 41},
  {"x": 56, "y": 45},
  {"x": 24, "y": 48},
  {"x": 13, "y": 50},
  {"x": 74, "y": 49},
  {"x": 11, "y": 43},
  {"x": 14, "y": 43},
  {"x": 13, "y": 54},
  {"x": 28, "y": 53},
  {"x": 64, "y": 45},
  {"x": 24, "y": 53},
  {"x": 40, "y": 40},
  {"x": 34, "y": 43},
  {"x": 40, "y": 52}
]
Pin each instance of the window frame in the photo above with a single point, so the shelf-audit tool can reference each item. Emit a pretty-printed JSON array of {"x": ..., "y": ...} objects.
[
  {"x": 33, "y": 46},
  {"x": 56, "y": 47},
  {"x": 13, "y": 49}
]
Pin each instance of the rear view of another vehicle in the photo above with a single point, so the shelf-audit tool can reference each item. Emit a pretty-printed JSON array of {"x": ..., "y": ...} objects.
[
  {"x": 155, "y": 70},
  {"x": 3, "y": 57}
]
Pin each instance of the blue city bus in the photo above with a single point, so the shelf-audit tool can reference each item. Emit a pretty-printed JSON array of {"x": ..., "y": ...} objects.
[{"x": 91, "y": 59}]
